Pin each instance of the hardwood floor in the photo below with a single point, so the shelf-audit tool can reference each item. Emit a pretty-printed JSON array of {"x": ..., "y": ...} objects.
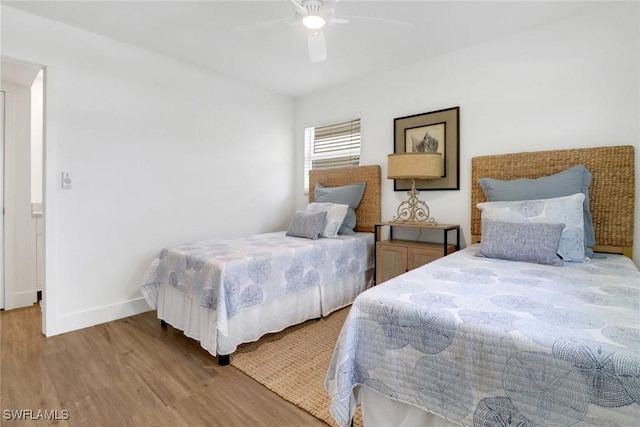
[{"x": 130, "y": 372}]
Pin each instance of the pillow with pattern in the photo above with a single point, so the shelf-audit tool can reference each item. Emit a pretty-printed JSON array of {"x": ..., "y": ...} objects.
[
  {"x": 575, "y": 179},
  {"x": 335, "y": 216},
  {"x": 561, "y": 210}
]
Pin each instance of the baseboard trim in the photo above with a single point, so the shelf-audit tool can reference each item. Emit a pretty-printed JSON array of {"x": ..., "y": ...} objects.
[{"x": 95, "y": 316}]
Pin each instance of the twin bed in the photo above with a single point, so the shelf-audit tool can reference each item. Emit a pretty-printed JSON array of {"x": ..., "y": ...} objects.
[
  {"x": 223, "y": 293},
  {"x": 479, "y": 341}
]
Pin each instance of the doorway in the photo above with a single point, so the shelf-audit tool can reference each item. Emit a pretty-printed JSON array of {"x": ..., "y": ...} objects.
[{"x": 21, "y": 227}]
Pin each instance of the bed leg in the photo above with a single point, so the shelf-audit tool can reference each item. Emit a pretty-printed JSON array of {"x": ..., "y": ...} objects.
[
  {"x": 163, "y": 323},
  {"x": 224, "y": 359}
]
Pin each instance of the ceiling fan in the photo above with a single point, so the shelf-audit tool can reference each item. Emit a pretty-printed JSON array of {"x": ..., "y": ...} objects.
[{"x": 314, "y": 15}]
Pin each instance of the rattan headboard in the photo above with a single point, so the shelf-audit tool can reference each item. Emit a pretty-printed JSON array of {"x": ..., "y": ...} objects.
[
  {"x": 611, "y": 194},
  {"x": 368, "y": 212}
]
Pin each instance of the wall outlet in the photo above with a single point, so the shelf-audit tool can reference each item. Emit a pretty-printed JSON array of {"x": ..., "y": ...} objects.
[{"x": 66, "y": 181}]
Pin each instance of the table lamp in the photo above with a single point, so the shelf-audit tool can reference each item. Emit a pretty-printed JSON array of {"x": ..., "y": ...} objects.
[{"x": 414, "y": 166}]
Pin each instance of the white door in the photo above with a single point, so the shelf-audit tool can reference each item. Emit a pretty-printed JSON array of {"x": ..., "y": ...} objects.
[
  {"x": 19, "y": 232},
  {"x": 2, "y": 199}
]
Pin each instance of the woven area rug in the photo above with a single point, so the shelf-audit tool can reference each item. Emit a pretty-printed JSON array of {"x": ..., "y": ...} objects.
[{"x": 293, "y": 363}]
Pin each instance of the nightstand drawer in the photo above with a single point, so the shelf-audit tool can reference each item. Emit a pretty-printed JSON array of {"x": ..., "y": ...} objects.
[
  {"x": 418, "y": 257},
  {"x": 395, "y": 257}
]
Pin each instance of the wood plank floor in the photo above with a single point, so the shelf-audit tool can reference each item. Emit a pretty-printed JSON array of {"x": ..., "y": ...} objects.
[{"x": 130, "y": 372}]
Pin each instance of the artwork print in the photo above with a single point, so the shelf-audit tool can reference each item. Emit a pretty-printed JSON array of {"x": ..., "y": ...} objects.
[
  {"x": 427, "y": 139},
  {"x": 432, "y": 132}
]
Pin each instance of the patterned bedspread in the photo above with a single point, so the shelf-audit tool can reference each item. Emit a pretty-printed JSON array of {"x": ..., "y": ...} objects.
[
  {"x": 233, "y": 275},
  {"x": 487, "y": 342}
]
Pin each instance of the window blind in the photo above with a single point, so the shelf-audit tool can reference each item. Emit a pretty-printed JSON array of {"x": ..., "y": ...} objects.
[{"x": 332, "y": 146}]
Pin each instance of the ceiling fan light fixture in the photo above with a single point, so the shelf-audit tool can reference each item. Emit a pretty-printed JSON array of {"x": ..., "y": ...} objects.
[{"x": 313, "y": 22}]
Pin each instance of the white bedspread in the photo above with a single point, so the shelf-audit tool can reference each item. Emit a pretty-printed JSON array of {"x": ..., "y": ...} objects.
[{"x": 487, "y": 342}]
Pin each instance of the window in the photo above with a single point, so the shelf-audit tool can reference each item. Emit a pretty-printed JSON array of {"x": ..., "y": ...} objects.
[{"x": 331, "y": 146}]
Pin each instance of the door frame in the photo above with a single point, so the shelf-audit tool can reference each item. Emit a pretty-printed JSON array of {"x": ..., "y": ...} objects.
[
  {"x": 49, "y": 194},
  {"x": 49, "y": 197}
]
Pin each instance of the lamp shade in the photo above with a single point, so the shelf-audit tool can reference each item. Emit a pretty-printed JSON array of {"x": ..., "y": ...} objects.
[{"x": 414, "y": 166}]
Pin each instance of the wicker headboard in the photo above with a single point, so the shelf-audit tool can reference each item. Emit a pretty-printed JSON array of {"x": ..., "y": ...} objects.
[
  {"x": 368, "y": 212},
  {"x": 611, "y": 194}
]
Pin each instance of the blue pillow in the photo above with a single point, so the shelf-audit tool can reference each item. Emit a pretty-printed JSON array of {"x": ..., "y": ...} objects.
[
  {"x": 535, "y": 242},
  {"x": 345, "y": 195},
  {"x": 576, "y": 179},
  {"x": 307, "y": 225},
  {"x": 349, "y": 222}
]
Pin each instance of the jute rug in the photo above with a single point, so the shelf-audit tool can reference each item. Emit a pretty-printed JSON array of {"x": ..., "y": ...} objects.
[{"x": 293, "y": 363}]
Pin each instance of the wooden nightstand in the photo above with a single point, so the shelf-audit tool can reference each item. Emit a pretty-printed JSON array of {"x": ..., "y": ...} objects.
[{"x": 394, "y": 257}]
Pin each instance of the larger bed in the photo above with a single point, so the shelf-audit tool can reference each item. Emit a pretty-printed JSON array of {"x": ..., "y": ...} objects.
[
  {"x": 227, "y": 292},
  {"x": 478, "y": 341}
]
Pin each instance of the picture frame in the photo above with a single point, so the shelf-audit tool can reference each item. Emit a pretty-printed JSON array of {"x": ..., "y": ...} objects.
[{"x": 423, "y": 132}]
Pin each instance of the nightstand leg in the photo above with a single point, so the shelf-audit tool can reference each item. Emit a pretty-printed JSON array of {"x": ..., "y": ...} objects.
[{"x": 446, "y": 252}]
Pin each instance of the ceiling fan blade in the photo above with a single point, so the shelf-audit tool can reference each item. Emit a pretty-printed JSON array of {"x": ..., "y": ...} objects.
[
  {"x": 299, "y": 8},
  {"x": 338, "y": 21},
  {"x": 383, "y": 20},
  {"x": 260, "y": 25},
  {"x": 317, "y": 46}
]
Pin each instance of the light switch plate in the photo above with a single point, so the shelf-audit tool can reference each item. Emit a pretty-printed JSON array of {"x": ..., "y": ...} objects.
[{"x": 66, "y": 181}]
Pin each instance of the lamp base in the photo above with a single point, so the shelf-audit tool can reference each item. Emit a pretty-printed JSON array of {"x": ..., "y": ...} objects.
[{"x": 413, "y": 209}]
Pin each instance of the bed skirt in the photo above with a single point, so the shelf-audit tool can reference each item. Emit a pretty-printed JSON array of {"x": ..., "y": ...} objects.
[
  {"x": 380, "y": 411},
  {"x": 198, "y": 323}
]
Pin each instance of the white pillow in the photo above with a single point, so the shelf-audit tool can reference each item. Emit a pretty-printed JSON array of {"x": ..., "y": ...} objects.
[
  {"x": 335, "y": 216},
  {"x": 566, "y": 210}
]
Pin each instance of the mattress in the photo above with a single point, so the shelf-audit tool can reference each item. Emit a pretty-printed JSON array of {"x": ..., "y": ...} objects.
[{"x": 480, "y": 341}]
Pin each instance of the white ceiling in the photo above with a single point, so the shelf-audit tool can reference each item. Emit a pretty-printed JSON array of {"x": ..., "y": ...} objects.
[{"x": 226, "y": 37}]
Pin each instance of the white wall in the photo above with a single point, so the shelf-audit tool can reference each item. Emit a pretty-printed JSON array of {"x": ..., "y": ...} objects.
[
  {"x": 571, "y": 83},
  {"x": 159, "y": 152}
]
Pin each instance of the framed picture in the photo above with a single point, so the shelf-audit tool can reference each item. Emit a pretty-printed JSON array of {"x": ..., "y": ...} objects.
[{"x": 436, "y": 131}]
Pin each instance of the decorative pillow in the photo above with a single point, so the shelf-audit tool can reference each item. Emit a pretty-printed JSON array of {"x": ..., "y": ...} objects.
[
  {"x": 349, "y": 222},
  {"x": 347, "y": 195},
  {"x": 527, "y": 242},
  {"x": 563, "y": 210},
  {"x": 576, "y": 179},
  {"x": 335, "y": 216},
  {"x": 307, "y": 225}
]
